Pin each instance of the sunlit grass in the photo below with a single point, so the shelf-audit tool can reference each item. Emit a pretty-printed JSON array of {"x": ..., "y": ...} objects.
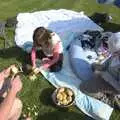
[{"x": 38, "y": 93}]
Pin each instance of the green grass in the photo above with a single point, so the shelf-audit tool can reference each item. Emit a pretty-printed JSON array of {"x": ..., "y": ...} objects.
[{"x": 38, "y": 92}]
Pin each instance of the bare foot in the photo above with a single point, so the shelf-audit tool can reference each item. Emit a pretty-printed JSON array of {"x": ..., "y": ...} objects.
[{"x": 28, "y": 118}]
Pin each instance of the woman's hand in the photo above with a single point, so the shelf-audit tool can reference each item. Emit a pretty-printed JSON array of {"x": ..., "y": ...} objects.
[
  {"x": 5, "y": 73},
  {"x": 45, "y": 60},
  {"x": 16, "y": 84},
  {"x": 46, "y": 63}
]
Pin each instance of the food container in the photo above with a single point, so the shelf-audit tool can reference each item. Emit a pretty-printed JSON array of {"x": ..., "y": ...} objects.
[{"x": 63, "y": 101}]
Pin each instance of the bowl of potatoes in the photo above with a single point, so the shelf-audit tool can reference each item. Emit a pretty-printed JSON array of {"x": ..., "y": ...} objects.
[{"x": 63, "y": 97}]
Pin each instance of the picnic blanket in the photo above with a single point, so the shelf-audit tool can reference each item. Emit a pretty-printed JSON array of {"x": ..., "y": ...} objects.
[{"x": 65, "y": 23}]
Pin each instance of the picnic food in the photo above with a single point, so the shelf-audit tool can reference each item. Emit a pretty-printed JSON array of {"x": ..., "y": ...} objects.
[
  {"x": 101, "y": 57},
  {"x": 70, "y": 93},
  {"x": 61, "y": 90},
  {"x": 64, "y": 96},
  {"x": 36, "y": 70},
  {"x": 32, "y": 77},
  {"x": 14, "y": 70}
]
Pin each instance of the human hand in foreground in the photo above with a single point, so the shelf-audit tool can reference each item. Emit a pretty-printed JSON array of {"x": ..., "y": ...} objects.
[
  {"x": 16, "y": 84},
  {"x": 5, "y": 73}
]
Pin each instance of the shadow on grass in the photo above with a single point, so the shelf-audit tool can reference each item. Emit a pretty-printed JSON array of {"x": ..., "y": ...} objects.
[
  {"x": 46, "y": 99},
  {"x": 104, "y": 20},
  {"x": 17, "y": 55},
  {"x": 58, "y": 115},
  {"x": 61, "y": 113},
  {"x": 112, "y": 27},
  {"x": 13, "y": 52}
]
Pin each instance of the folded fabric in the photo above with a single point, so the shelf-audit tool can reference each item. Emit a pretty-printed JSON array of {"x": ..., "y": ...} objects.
[
  {"x": 80, "y": 62},
  {"x": 65, "y": 23},
  {"x": 112, "y": 73}
]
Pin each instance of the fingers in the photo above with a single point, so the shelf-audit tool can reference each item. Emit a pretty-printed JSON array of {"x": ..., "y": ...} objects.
[
  {"x": 17, "y": 77},
  {"x": 16, "y": 84}
]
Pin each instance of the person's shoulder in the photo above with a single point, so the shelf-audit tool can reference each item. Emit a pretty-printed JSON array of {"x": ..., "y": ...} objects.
[{"x": 55, "y": 36}]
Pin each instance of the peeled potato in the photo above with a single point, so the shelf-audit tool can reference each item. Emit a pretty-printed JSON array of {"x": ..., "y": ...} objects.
[
  {"x": 32, "y": 77},
  {"x": 61, "y": 90},
  {"x": 69, "y": 92},
  {"x": 59, "y": 97},
  {"x": 65, "y": 102},
  {"x": 69, "y": 99},
  {"x": 59, "y": 103},
  {"x": 14, "y": 70},
  {"x": 64, "y": 96}
]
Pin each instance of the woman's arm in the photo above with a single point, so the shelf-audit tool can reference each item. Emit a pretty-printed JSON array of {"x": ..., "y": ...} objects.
[{"x": 33, "y": 57}]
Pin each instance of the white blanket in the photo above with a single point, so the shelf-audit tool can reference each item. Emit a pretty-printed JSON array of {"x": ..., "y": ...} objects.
[{"x": 66, "y": 23}]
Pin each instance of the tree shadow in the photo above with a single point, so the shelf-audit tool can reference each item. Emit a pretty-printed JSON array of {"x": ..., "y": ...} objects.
[
  {"x": 104, "y": 20},
  {"x": 112, "y": 27},
  {"x": 58, "y": 115},
  {"x": 46, "y": 98},
  {"x": 17, "y": 54},
  {"x": 13, "y": 52}
]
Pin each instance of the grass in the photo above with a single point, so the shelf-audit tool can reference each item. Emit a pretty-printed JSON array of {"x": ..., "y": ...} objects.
[{"x": 36, "y": 95}]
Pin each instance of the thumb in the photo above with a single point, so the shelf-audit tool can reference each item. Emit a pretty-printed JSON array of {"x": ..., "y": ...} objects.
[{"x": 15, "y": 78}]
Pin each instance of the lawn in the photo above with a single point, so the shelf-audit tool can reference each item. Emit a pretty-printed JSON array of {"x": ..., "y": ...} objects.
[{"x": 36, "y": 95}]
